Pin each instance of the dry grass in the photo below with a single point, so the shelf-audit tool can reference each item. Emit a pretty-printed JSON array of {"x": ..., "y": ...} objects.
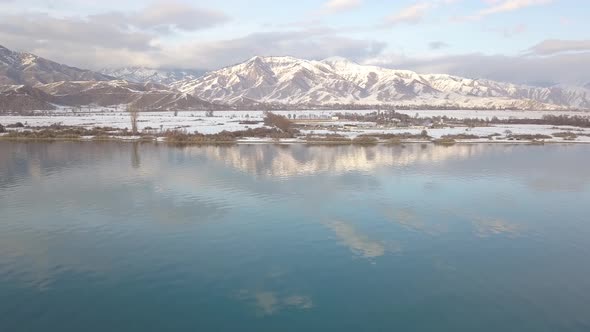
[
  {"x": 445, "y": 141},
  {"x": 365, "y": 140}
]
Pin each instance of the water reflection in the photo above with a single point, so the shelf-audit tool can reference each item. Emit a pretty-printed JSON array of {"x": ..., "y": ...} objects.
[
  {"x": 167, "y": 232},
  {"x": 358, "y": 243},
  {"x": 408, "y": 218},
  {"x": 490, "y": 227},
  {"x": 267, "y": 160},
  {"x": 135, "y": 157},
  {"x": 269, "y": 303}
]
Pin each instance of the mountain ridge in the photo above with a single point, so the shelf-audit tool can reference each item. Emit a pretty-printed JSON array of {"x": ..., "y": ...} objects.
[
  {"x": 30, "y": 81},
  {"x": 140, "y": 74},
  {"x": 24, "y": 68},
  {"x": 287, "y": 80}
]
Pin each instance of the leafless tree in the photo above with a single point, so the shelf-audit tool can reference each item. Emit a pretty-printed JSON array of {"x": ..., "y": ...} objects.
[{"x": 133, "y": 116}]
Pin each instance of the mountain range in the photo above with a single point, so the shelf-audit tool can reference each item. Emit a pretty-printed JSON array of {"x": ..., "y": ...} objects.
[
  {"x": 287, "y": 80},
  {"x": 152, "y": 75},
  {"x": 30, "y": 82},
  {"x": 29, "y": 69}
]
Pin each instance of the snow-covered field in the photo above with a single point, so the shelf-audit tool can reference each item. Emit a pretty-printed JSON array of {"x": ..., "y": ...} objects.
[
  {"x": 189, "y": 121},
  {"x": 503, "y": 115},
  {"x": 192, "y": 121},
  {"x": 478, "y": 131}
]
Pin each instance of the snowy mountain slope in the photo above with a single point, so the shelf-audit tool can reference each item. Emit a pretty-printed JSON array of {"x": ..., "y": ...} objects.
[
  {"x": 268, "y": 80},
  {"x": 145, "y": 75},
  {"x": 287, "y": 80},
  {"x": 29, "y": 82},
  {"x": 24, "y": 98},
  {"x": 29, "y": 69},
  {"x": 147, "y": 96}
]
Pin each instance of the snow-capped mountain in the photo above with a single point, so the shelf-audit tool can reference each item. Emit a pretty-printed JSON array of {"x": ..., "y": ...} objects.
[
  {"x": 145, "y": 75},
  {"x": 292, "y": 81},
  {"x": 28, "y": 69},
  {"x": 29, "y": 82},
  {"x": 148, "y": 96},
  {"x": 284, "y": 81},
  {"x": 24, "y": 98}
]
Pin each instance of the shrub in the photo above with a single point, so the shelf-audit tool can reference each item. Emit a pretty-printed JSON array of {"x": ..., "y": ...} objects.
[
  {"x": 530, "y": 137},
  {"x": 394, "y": 136},
  {"x": 44, "y": 134},
  {"x": 461, "y": 136},
  {"x": 445, "y": 141},
  {"x": 278, "y": 121},
  {"x": 365, "y": 140},
  {"x": 16, "y": 125},
  {"x": 182, "y": 137},
  {"x": 567, "y": 135},
  {"x": 2, "y": 129},
  {"x": 329, "y": 138},
  {"x": 262, "y": 132},
  {"x": 394, "y": 141}
]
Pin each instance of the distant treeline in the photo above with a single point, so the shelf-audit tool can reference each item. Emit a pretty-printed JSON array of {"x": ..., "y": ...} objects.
[
  {"x": 389, "y": 117},
  {"x": 362, "y": 107},
  {"x": 553, "y": 120}
]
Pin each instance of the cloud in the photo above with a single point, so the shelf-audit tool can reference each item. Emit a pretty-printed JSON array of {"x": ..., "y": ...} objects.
[
  {"x": 415, "y": 13},
  {"x": 560, "y": 68},
  {"x": 269, "y": 303},
  {"x": 141, "y": 38},
  {"x": 42, "y": 29},
  {"x": 497, "y": 7},
  {"x": 555, "y": 46},
  {"x": 412, "y": 14},
  {"x": 494, "y": 227},
  {"x": 437, "y": 45},
  {"x": 307, "y": 44},
  {"x": 163, "y": 18},
  {"x": 112, "y": 38},
  {"x": 170, "y": 14},
  {"x": 358, "y": 243},
  {"x": 334, "y": 6},
  {"x": 512, "y": 31}
]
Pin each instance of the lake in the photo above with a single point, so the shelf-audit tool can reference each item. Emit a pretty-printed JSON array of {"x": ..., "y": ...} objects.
[{"x": 146, "y": 237}]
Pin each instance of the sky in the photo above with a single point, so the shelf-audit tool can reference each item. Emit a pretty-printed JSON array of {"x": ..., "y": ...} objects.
[{"x": 537, "y": 42}]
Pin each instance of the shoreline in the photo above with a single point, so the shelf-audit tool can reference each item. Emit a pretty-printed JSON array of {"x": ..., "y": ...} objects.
[
  {"x": 310, "y": 128},
  {"x": 162, "y": 140}
]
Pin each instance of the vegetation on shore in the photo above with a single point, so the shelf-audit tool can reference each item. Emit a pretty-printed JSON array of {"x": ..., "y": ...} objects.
[{"x": 279, "y": 127}]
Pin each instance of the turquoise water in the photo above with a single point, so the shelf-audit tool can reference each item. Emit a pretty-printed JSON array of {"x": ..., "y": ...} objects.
[{"x": 131, "y": 237}]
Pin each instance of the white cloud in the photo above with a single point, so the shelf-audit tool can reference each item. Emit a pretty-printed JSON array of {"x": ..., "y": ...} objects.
[
  {"x": 307, "y": 44},
  {"x": 512, "y": 31},
  {"x": 554, "y": 46},
  {"x": 497, "y": 7},
  {"x": 172, "y": 14},
  {"x": 333, "y": 6},
  {"x": 415, "y": 13},
  {"x": 163, "y": 17},
  {"x": 269, "y": 303},
  {"x": 437, "y": 45},
  {"x": 357, "y": 242},
  {"x": 566, "y": 68},
  {"x": 412, "y": 14},
  {"x": 85, "y": 46}
]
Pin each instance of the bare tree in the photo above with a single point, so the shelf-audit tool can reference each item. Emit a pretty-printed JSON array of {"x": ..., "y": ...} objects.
[{"x": 133, "y": 116}]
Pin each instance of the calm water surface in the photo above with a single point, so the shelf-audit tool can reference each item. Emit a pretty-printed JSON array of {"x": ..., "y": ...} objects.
[{"x": 131, "y": 237}]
